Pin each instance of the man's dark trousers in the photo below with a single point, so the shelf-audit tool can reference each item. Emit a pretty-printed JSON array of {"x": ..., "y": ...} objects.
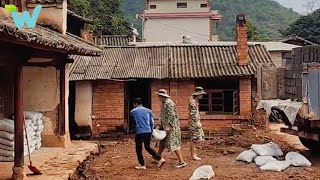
[{"x": 145, "y": 138}]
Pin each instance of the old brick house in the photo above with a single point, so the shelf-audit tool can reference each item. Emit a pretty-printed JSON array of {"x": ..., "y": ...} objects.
[{"x": 106, "y": 88}]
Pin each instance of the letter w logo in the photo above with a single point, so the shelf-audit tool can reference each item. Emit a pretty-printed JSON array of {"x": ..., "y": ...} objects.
[{"x": 25, "y": 18}]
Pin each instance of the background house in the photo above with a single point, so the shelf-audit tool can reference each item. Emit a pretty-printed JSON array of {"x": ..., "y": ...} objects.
[
  {"x": 169, "y": 20},
  {"x": 106, "y": 88}
]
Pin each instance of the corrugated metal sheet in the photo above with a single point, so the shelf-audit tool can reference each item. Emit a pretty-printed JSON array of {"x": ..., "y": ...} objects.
[
  {"x": 193, "y": 61},
  {"x": 113, "y": 40}
]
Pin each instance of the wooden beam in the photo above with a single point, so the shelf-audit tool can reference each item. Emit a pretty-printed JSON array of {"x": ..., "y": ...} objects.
[
  {"x": 19, "y": 117},
  {"x": 62, "y": 105}
]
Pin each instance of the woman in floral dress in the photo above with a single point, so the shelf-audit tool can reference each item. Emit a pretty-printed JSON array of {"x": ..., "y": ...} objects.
[
  {"x": 195, "y": 126},
  {"x": 169, "y": 121}
]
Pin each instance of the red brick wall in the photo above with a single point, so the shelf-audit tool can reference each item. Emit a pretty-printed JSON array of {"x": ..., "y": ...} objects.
[{"x": 108, "y": 104}]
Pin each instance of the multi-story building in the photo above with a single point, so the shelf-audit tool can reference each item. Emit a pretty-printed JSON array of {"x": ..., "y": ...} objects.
[{"x": 170, "y": 20}]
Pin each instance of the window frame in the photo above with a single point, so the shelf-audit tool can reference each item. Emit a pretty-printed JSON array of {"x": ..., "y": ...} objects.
[
  {"x": 204, "y": 5},
  {"x": 210, "y": 103},
  {"x": 152, "y": 5},
  {"x": 181, "y": 5}
]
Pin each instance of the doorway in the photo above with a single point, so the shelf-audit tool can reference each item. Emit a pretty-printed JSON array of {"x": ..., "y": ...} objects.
[{"x": 141, "y": 88}]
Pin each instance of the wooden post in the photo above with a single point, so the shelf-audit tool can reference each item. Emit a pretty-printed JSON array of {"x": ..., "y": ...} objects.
[
  {"x": 62, "y": 105},
  {"x": 18, "y": 172}
]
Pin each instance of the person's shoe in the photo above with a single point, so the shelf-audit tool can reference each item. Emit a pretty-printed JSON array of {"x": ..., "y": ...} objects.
[
  {"x": 153, "y": 160},
  {"x": 196, "y": 158},
  {"x": 139, "y": 167},
  {"x": 181, "y": 165},
  {"x": 161, "y": 162}
]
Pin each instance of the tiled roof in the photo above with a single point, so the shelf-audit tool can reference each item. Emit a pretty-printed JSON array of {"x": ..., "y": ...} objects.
[
  {"x": 44, "y": 37},
  {"x": 80, "y": 18},
  {"x": 113, "y": 40},
  {"x": 188, "y": 61},
  {"x": 271, "y": 45}
]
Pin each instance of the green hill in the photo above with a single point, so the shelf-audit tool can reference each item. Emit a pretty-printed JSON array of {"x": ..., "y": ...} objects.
[{"x": 268, "y": 16}]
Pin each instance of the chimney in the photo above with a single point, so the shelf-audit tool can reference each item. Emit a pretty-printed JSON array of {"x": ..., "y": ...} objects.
[
  {"x": 242, "y": 40},
  {"x": 53, "y": 13}
]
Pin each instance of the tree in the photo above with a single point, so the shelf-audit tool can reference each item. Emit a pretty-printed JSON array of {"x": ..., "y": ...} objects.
[
  {"x": 307, "y": 27},
  {"x": 105, "y": 13},
  {"x": 311, "y": 5},
  {"x": 253, "y": 34}
]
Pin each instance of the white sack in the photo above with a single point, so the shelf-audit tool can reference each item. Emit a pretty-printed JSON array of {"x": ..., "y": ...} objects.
[
  {"x": 6, "y": 142},
  {"x": 269, "y": 149},
  {"x": 158, "y": 135},
  {"x": 38, "y": 146},
  {"x": 297, "y": 159},
  {"x": 203, "y": 172},
  {"x": 6, "y": 153},
  {"x": 39, "y": 122},
  {"x": 262, "y": 160},
  {"x": 31, "y": 115},
  {"x": 275, "y": 166},
  {"x": 247, "y": 156},
  {"x": 40, "y": 128},
  {"x": 6, "y": 126},
  {"x": 39, "y": 115},
  {"x": 7, "y": 135},
  {"x": 6, "y": 159}
]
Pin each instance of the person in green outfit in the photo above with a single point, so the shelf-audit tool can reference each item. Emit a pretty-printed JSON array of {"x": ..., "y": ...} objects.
[
  {"x": 195, "y": 126},
  {"x": 169, "y": 121}
]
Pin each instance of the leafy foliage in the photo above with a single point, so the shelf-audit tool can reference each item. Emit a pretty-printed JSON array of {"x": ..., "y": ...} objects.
[
  {"x": 269, "y": 17},
  {"x": 107, "y": 14},
  {"x": 307, "y": 27}
]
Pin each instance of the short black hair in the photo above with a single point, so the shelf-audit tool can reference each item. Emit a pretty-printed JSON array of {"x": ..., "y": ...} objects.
[{"x": 137, "y": 101}]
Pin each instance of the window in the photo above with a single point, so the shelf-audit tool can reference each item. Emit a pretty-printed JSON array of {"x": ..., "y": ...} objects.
[
  {"x": 153, "y": 6},
  {"x": 182, "y": 5},
  {"x": 221, "y": 98},
  {"x": 204, "y": 5}
]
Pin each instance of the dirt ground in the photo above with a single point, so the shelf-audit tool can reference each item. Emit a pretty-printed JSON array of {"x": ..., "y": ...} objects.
[{"x": 117, "y": 162}]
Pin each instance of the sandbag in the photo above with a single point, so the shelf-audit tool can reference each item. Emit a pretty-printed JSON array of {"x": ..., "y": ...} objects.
[
  {"x": 158, "y": 135},
  {"x": 276, "y": 166},
  {"x": 269, "y": 149},
  {"x": 203, "y": 172},
  {"x": 262, "y": 160},
  {"x": 297, "y": 159},
  {"x": 247, "y": 156},
  {"x": 38, "y": 146},
  {"x": 6, "y": 159},
  {"x": 9, "y": 153},
  {"x": 31, "y": 115},
  {"x": 40, "y": 128},
  {"x": 39, "y": 115},
  {"x": 7, "y": 135},
  {"x": 6, "y": 142},
  {"x": 39, "y": 122},
  {"x": 6, "y": 126}
]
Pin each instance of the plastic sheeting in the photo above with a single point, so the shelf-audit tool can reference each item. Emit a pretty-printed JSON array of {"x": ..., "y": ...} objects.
[{"x": 290, "y": 108}]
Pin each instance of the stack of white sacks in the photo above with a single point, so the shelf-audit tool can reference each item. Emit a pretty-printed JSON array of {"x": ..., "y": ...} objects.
[
  {"x": 34, "y": 127},
  {"x": 263, "y": 156}
]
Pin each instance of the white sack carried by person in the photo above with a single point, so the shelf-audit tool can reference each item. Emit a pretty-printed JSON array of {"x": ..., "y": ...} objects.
[
  {"x": 269, "y": 149},
  {"x": 203, "y": 172},
  {"x": 158, "y": 135},
  {"x": 276, "y": 166},
  {"x": 297, "y": 159},
  {"x": 247, "y": 156},
  {"x": 262, "y": 160}
]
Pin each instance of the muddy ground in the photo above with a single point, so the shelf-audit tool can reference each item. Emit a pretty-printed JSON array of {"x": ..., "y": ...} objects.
[{"x": 117, "y": 162}]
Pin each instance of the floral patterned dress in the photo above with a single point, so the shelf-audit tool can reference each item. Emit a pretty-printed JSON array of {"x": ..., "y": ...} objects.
[
  {"x": 169, "y": 117},
  {"x": 195, "y": 126}
]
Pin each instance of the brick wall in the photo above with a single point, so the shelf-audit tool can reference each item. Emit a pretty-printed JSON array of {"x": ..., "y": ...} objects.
[
  {"x": 108, "y": 104},
  {"x": 245, "y": 97}
]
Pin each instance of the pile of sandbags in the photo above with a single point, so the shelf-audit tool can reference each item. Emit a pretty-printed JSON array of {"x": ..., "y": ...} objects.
[
  {"x": 34, "y": 128},
  {"x": 263, "y": 156}
]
